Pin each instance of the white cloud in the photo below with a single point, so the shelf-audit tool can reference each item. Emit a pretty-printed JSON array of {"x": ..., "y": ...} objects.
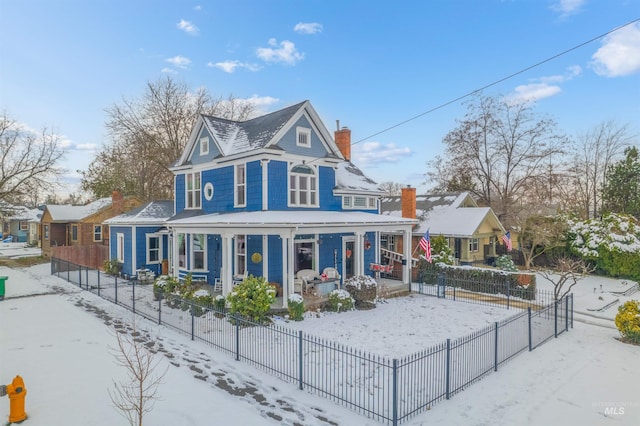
[
  {"x": 86, "y": 146},
  {"x": 197, "y": 8},
  {"x": 543, "y": 87},
  {"x": 187, "y": 27},
  {"x": 619, "y": 54},
  {"x": 308, "y": 28},
  {"x": 230, "y": 66},
  {"x": 286, "y": 53},
  {"x": 372, "y": 153},
  {"x": 179, "y": 61},
  {"x": 567, "y": 7},
  {"x": 168, "y": 71}
]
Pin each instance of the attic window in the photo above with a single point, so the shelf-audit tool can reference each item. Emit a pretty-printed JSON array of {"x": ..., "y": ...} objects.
[
  {"x": 303, "y": 137},
  {"x": 204, "y": 146}
]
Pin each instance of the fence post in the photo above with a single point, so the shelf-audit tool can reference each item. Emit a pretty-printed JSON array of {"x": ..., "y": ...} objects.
[
  {"x": 160, "y": 310},
  {"x": 236, "y": 317},
  {"x": 508, "y": 292},
  {"x": 116, "y": 290},
  {"x": 98, "y": 282},
  {"x": 530, "y": 340},
  {"x": 68, "y": 272},
  {"x": 571, "y": 310},
  {"x": 566, "y": 313},
  {"x": 193, "y": 321},
  {"x": 555, "y": 318},
  {"x": 300, "y": 360},
  {"x": 133, "y": 296},
  {"x": 448, "y": 367},
  {"x": 495, "y": 350},
  {"x": 394, "y": 394}
]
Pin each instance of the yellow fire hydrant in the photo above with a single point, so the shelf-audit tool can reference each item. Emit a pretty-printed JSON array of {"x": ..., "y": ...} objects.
[{"x": 17, "y": 393}]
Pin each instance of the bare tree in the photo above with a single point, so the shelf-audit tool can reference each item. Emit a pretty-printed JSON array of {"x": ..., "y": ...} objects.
[
  {"x": 596, "y": 150},
  {"x": 565, "y": 274},
  {"x": 499, "y": 151},
  {"x": 136, "y": 396},
  {"x": 391, "y": 188},
  {"x": 148, "y": 135},
  {"x": 540, "y": 234},
  {"x": 29, "y": 161}
]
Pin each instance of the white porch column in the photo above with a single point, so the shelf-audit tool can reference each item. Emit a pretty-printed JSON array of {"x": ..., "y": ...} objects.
[
  {"x": 226, "y": 274},
  {"x": 265, "y": 257},
  {"x": 176, "y": 256},
  {"x": 406, "y": 249},
  {"x": 358, "y": 267},
  {"x": 287, "y": 268}
]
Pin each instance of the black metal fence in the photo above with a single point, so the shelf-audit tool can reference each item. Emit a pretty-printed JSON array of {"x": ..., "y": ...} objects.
[{"x": 391, "y": 391}]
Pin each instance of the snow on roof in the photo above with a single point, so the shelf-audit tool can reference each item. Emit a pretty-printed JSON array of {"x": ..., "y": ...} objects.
[
  {"x": 351, "y": 178},
  {"x": 25, "y": 214},
  {"x": 70, "y": 213},
  {"x": 292, "y": 218},
  {"x": 441, "y": 214},
  {"x": 154, "y": 212}
]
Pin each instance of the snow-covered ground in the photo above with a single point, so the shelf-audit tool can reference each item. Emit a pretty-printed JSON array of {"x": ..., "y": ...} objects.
[
  {"x": 16, "y": 250},
  {"x": 57, "y": 337}
]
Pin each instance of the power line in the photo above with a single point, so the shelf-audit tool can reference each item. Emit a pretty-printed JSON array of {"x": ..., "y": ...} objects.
[{"x": 496, "y": 82}]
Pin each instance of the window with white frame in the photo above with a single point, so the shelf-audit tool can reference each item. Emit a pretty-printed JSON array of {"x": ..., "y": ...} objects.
[
  {"x": 204, "y": 146},
  {"x": 198, "y": 251},
  {"x": 24, "y": 226},
  {"x": 154, "y": 248},
  {"x": 97, "y": 232},
  {"x": 193, "y": 190},
  {"x": 358, "y": 202},
  {"x": 46, "y": 232},
  {"x": 372, "y": 203},
  {"x": 473, "y": 244},
  {"x": 241, "y": 254},
  {"x": 388, "y": 241},
  {"x": 120, "y": 247},
  {"x": 240, "y": 198},
  {"x": 74, "y": 232},
  {"x": 303, "y": 136},
  {"x": 182, "y": 250},
  {"x": 303, "y": 186}
]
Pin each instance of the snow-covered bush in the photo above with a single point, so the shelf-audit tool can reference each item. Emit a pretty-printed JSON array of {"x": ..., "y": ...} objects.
[
  {"x": 252, "y": 298},
  {"x": 295, "y": 307},
  {"x": 363, "y": 289},
  {"x": 628, "y": 321},
  {"x": 340, "y": 301},
  {"x": 505, "y": 263},
  {"x": 220, "y": 303},
  {"x": 163, "y": 284},
  {"x": 612, "y": 243}
]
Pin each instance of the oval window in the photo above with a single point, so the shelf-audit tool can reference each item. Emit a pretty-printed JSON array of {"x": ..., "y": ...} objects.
[{"x": 208, "y": 191}]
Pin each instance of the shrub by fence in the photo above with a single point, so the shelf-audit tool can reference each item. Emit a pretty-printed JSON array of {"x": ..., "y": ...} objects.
[{"x": 391, "y": 391}]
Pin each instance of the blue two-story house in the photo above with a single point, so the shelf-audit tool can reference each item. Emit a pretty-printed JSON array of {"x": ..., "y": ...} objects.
[{"x": 271, "y": 196}]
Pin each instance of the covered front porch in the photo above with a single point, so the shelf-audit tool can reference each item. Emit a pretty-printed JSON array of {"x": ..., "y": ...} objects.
[{"x": 224, "y": 248}]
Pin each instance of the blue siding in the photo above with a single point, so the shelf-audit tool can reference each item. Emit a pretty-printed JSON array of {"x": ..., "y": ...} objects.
[
  {"x": 113, "y": 246},
  {"x": 275, "y": 258},
  {"x": 327, "y": 182},
  {"x": 278, "y": 185},
  {"x": 254, "y": 186},
  {"x": 254, "y": 245},
  {"x": 288, "y": 141},
  {"x": 179, "y": 193}
]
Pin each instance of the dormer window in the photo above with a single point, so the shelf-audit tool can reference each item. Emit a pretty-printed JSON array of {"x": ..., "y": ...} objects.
[
  {"x": 193, "y": 190},
  {"x": 303, "y": 137},
  {"x": 303, "y": 186},
  {"x": 204, "y": 146}
]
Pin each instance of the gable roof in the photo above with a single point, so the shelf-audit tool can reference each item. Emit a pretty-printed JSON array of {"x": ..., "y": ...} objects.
[
  {"x": 152, "y": 213},
  {"x": 70, "y": 213},
  {"x": 350, "y": 178},
  {"x": 236, "y": 137},
  {"x": 25, "y": 214},
  {"x": 449, "y": 214}
]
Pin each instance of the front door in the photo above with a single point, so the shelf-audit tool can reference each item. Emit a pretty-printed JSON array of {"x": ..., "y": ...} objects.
[{"x": 348, "y": 254}]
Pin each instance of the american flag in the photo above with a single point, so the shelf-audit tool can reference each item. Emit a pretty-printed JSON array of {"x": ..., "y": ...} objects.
[
  {"x": 506, "y": 238},
  {"x": 425, "y": 245}
]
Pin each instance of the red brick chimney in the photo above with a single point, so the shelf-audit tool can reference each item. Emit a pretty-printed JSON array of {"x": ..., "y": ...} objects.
[
  {"x": 117, "y": 199},
  {"x": 409, "y": 202},
  {"x": 343, "y": 140}
]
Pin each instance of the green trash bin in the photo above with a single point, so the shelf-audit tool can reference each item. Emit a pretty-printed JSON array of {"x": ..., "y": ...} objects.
[{"x": 2, "y": 281}]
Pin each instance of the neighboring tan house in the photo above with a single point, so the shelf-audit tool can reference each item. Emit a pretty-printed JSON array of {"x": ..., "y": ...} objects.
[
  {"x": 68, "y": 225},
  {"x": 472, "y": 231}
]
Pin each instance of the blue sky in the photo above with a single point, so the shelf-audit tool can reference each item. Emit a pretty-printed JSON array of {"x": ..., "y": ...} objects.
[{"x": 369, "y": 64}]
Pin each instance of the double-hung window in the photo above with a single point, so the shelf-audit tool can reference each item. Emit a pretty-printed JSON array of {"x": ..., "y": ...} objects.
[
  {"x": 120, "y": 247},
  {"x": 154, "y": 249},
  {"x": 198, "y": 251},
  {"x": 74, "y": 232},
  {"x": 97, "y": 232},
  {"x": 240, "y": 198},
  {"x": 241, "y": 257},
  {"x": 473, "y": 245},
  {"x": 193, "y": 190},
  {"x": 204, "y": 146},
  {"x": 303, "y": 187}
]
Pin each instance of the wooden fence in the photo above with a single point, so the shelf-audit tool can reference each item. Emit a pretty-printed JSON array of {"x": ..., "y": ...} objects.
[{"x": 91, "y": 256}]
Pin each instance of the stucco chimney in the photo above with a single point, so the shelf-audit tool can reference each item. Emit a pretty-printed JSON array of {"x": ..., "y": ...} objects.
[
  {"x": 409, "y": 202},
  {"x": 343, "y": 140},
  {"x": 117, "y": 199}
]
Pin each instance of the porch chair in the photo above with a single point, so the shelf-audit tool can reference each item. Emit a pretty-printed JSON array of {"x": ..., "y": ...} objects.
[
  {"x": 217, "y": 286},
  {"x": 332, "y": 273}
]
